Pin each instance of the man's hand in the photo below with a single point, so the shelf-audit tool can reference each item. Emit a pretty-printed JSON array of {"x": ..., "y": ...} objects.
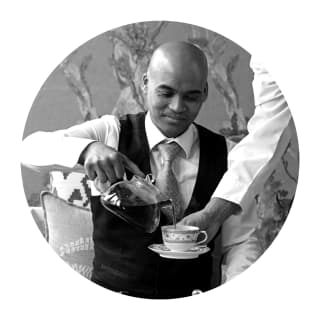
[
  {"x": 204, "y": 221},
  {"x": 212, "y": 216},
  {"x": 106, "y": 163}
]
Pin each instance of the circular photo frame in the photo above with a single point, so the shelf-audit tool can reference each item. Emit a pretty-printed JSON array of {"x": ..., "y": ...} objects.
[{"x": 117, "y": 97}]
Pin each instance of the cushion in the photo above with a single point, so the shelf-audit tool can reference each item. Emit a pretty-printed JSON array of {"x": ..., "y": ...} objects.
[
  {"x": 69, "y": 232},
  {"x": 72, "y": 187}
]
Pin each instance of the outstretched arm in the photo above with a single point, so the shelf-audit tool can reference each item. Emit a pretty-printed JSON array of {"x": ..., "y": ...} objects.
[
  {"x": 252, "y": 160},
  {"x": 90, "y": 147},
  {"x": 44, "y": 151}
]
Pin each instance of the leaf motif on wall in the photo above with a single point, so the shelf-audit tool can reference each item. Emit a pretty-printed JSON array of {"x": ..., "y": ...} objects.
[
  {"x": 133, "y": 46},
  {"x": 274, "y": 202},
  {"x": 75, "y": 76},
  {"x": 214, "y": 46}
]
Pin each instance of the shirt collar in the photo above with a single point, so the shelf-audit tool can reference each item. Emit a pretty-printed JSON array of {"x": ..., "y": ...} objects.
[{"x": 155, "y": 136}]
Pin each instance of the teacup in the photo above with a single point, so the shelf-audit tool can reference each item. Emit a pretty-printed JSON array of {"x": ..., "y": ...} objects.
[{"x": 182, "y": 238}]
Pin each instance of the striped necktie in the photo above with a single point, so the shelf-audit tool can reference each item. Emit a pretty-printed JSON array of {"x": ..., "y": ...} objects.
[{"x": 167, "y": 182}]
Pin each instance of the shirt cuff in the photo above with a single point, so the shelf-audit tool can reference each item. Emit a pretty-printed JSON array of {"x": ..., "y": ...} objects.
[
  {"x": 73, "y": 148},
  {"x": 232, "y": 189},
  {"x": 58, "y": 152}
]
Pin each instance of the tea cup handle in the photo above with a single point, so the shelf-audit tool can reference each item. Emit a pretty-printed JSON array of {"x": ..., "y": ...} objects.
[{"x": 205, "y": 237}]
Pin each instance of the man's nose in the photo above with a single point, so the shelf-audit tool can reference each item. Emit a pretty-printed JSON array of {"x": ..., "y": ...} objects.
[{"x": 177, "y": 104}]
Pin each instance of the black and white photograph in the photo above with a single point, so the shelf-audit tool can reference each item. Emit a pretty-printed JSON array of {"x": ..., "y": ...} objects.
[{"x": 160, "y": 160}]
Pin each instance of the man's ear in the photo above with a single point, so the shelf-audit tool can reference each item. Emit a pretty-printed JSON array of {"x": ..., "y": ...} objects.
[
  {"x": 205, "y": 91},
  {"x": 144, "y": 83}
]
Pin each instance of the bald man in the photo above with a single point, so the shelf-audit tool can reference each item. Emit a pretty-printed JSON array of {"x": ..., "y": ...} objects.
[{"x": 175, "y": 87}]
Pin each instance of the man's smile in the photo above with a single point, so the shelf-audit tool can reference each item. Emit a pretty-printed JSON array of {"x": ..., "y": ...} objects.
[{"x": 175, "y": 117}]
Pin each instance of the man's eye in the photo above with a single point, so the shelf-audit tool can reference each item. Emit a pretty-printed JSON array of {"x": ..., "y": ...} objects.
[
  {"x": 165, "y": 94},
  {"x": 192, "y": 97}
]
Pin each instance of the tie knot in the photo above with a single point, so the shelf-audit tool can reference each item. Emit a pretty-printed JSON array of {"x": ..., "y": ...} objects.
[{"x": 169, "y": 150}]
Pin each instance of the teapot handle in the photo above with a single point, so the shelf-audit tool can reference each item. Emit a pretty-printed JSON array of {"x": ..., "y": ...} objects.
[{"x": 103, "y": 187}]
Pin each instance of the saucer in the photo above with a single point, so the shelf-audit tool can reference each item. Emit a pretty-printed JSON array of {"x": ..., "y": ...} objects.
[{"x": 192, "y": 253}]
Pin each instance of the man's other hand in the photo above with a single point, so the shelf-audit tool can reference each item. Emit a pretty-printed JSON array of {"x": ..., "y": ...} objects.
[{"x": 212, "y": 216}]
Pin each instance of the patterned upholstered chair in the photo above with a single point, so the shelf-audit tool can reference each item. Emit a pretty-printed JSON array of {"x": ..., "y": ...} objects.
[{"x": 64, "y": 220}]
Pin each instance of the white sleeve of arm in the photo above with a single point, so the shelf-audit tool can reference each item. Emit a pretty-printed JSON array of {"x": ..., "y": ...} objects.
[
  {"x": 253, "y": 159},
  {"x": 60, "y": 150}
]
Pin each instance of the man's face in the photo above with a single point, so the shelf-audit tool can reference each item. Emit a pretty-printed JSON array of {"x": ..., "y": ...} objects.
[{"x": 174, "y": 98}]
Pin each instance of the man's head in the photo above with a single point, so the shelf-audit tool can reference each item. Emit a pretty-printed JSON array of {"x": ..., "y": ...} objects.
[{"x": 176, "y": 86}]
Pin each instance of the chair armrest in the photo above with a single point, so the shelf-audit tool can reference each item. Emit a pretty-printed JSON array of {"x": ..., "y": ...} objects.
[{"x": 38, "y": 216}]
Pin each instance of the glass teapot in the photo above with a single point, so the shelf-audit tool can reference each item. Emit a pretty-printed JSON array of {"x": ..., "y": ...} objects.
[{"x": 137, "y": 201}]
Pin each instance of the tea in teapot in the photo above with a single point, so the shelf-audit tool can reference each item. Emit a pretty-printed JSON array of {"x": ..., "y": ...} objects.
[{"x": 137, "y": 201}]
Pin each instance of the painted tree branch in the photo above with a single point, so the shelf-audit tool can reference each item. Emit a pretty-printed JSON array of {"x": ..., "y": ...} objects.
[
  {"x": 76, "y": 79},
  {"x": 222, "y": 79},
  {"x": 133, "y": 46}
]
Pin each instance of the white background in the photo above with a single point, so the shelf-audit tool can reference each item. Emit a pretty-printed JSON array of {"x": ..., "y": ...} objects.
[{"x": 36, "y": 36}]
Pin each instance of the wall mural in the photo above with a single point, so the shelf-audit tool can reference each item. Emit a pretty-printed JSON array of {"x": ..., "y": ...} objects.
[
  {"x": 132, "y": 46},
  {"x": 132, "y": 49},
  {"x": 75, "y": 76}
]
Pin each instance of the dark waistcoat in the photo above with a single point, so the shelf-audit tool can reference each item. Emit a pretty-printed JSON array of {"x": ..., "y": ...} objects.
[{"x": 123, "y": 261}]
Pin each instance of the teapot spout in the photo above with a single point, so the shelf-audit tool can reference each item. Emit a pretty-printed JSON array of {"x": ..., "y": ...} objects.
[{"x": 165, "y": 203}]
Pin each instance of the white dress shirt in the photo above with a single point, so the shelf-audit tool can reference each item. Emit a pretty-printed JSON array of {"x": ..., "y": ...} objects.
[
  {"x": 60, "y": 150},
  {"x": 250, "y": 163},
  {"x": 252, "y": 160}
]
